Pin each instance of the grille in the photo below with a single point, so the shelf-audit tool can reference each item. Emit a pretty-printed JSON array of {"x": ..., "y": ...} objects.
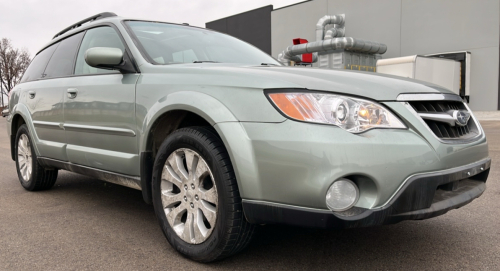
[{"x": 441, "y": 129}]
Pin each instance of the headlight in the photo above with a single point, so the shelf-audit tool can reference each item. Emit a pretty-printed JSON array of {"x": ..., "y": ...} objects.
[{"x": 351, "y": 114}]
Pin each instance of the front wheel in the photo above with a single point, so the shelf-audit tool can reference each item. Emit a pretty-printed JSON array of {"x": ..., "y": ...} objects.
[
  {"x": 32, "y": 175},
  {"x": 196, "y": 197}
]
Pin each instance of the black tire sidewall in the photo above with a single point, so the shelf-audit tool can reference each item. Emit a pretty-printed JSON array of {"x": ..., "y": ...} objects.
[
  {"x": 30, "y": 184},
  {"x": 210, "y": 248}
]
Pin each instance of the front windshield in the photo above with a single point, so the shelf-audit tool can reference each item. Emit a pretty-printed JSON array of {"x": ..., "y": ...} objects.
[{"x": 170, "y": 44}]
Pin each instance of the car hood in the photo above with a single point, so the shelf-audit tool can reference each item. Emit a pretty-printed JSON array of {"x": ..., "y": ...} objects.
[{"x": 367, "y": 84}]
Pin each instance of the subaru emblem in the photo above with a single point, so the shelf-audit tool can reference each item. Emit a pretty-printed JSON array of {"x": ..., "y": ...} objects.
[{"x": 461, "y": 117}]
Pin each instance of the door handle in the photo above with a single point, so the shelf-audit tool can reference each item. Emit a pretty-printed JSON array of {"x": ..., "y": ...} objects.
[
  {"x": 72, "y": 92},
  {"x": 32, "y": 94}
]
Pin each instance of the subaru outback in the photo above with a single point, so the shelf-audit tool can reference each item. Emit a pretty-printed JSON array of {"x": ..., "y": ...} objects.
[{"x": 220, "y": 136}]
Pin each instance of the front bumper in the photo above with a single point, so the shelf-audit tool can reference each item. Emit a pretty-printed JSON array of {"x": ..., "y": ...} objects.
[
  {"x": 421, "y": 196},
  {"x": 295, "y": 163}
]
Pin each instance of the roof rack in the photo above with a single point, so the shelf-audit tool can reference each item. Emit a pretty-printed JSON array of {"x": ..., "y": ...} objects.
[{"x": 89, "y": 19}]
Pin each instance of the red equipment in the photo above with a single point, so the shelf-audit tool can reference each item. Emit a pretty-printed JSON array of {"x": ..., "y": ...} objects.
[{"x": 306, "y": 58}]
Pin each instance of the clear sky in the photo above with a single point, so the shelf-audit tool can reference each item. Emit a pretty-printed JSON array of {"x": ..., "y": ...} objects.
[{"x": 32, "y": 23}]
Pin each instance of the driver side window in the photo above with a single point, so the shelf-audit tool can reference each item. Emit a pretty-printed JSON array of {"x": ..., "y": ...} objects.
[{"x": 97, "y": 37}]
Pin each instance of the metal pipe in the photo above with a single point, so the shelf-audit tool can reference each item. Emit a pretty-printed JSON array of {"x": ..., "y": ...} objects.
[
  {"x": 326, "y": 20},
  {"x": 334, "y": 32}
]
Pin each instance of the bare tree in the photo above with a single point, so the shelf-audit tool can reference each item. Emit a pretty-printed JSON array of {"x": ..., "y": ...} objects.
[{"x": 13, "y": 63}]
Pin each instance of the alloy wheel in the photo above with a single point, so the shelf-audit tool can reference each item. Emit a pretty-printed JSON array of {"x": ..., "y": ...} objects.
[
  {"x": 189, "y": 196},
  {"x": 24, "y": 158}
]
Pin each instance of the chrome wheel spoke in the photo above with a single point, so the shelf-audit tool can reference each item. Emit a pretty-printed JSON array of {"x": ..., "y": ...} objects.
[
  {"x": 29, "y": 170},
  {"x": 169, "y": 178},
  {"x": 201, "y": 172},
  {"x": 21, "y": 145},
  {"x": 169, "y": 199},
  {"x": 191, "y": 163},
  {"x": 26, "y": 144},
  {"x": 176, "y": 167},
  {"x": 21, "y": 160},
  {"x": 200, "y": 231},
  {"x": 208, "y": 195},
  {"x": 210, "y": 212},
  {"x": 188, "y": 233},
  {"x": 21, "y": 149},
  {"x": 22, "y": 169},
  {"x": 174, "y": 214}
]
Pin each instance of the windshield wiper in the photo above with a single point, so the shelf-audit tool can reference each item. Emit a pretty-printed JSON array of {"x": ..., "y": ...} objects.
[
  {"x": 205, "y": 61},
  {"x": 268, "y": 64}
]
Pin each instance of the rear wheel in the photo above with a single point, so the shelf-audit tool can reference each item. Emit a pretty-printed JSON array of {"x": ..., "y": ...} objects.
[
  {"x": 196, "y": 197},
  {"x": 31, "y": 174}
]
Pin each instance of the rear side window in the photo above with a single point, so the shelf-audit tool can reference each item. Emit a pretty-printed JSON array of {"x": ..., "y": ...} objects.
[
  {"x": 37, "y": 66},
  {"x": 97, "y": 37},
  {"x": 61, "y": 62}
]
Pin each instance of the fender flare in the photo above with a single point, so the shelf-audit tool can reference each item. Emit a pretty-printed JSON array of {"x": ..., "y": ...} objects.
[{"x": 23, "y": 111}]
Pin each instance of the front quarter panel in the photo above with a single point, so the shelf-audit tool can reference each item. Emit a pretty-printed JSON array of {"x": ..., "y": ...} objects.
[
  {"x": 150, "y": 108},
  {"x": 216, "y": 103}
]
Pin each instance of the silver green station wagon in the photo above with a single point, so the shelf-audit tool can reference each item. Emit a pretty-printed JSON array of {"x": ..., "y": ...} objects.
[{"x": 221, "y": 137}]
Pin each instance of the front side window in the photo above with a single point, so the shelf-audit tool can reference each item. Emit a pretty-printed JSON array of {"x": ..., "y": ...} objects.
[
  {"x": 170, "y": 44},
  {"x": 37, "y": 66},
  {"x": 97, "y": 37},
  {"x": 61, "y": 62}
]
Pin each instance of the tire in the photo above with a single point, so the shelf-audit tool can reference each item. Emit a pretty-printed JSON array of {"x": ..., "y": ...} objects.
[
  {"x": 32, "y": 175},
  {"x": 225, "y": 235}
]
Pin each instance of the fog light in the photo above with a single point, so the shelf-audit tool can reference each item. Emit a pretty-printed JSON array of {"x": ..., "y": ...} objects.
[{"x": 342, "y": 195}]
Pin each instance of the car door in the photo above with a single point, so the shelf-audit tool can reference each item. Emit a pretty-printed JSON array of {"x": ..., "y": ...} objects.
[
  {"x": 45, "y": 95},
  {"x": 99, "y": 111}
]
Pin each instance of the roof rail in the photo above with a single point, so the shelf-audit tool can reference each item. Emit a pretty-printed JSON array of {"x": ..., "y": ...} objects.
[{"x": 89, "y": 19}]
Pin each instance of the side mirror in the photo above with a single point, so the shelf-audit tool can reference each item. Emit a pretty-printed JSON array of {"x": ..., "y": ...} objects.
[{"x": 104, "y": 57}]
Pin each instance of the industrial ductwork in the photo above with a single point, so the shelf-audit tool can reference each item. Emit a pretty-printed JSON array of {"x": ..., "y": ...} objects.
[
  {"x": 326, "y": 20},
  {"x": 351, "y": 44},
  {"x": 334, "y": 32},
  {"x": 331, "y": 42}
]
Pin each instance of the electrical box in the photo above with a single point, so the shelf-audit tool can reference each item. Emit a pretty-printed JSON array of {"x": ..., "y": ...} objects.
[{"x": 439, "y": 71}]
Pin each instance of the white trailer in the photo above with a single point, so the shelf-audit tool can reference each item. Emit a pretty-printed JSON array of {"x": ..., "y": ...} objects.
[{"x": 440, "y": 71}]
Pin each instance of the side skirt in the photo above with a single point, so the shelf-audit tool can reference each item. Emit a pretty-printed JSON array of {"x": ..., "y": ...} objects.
[{"x": 116, "y": 178}]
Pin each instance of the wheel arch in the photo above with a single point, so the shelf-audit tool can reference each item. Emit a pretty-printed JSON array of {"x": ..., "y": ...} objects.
[
  {"x": 17, "y": 121},
  {"x": 175, "y": 111},
  {"x": 21, "y": 115},
  {"x": 203, "y": 105}
]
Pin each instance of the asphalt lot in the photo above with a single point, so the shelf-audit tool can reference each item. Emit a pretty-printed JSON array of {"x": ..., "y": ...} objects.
[{"x": 87, "y": 224}]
